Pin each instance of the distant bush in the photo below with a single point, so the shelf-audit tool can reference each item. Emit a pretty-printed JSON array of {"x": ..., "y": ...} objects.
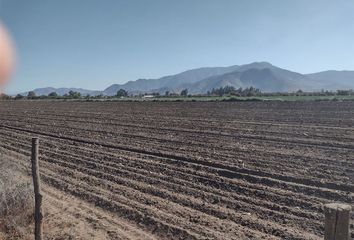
[
  {"x": 184, "y": 92},
  {"x": 345, "y": 92},
  {"x": 53, "y": 95},
  {"x": 235, "y": 99},
  {"x": 4, "y": 97},
  {"x": 230, "y": 90},
  {"x": 122, "y": 93},
  {"x": 19, "y": 96},
  {"x": 75, "y": 95},
  {"x": 31, "y": 95}
]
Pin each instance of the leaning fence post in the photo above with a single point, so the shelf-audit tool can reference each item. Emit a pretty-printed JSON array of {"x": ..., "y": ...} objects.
[
  {"x": 37, "y": 191},
  {"x": 337, "y": 221}
]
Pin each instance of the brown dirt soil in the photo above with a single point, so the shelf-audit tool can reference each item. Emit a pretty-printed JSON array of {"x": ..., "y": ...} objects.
[
  {"x": 68, "y": 217},
  {"x": 246, "y": 170}
]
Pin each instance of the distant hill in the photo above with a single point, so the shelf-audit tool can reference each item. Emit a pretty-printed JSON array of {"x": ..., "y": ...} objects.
[
  {"x": 169, "y": 82},
  {"x": 262, "y": 75},
  {"x": 333, "y": 80}
]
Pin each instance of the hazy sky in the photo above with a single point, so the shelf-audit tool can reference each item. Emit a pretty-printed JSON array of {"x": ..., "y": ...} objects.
[{"x": 94, "y": 43}]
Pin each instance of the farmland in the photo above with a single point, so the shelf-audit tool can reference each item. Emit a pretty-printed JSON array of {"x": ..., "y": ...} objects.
[{"x": 191, "y": 170}]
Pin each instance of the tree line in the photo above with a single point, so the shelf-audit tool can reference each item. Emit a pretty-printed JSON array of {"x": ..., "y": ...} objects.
[
  {"x": 121, "y": 93},
  {"x": 230, "y": 90},
  {"x": 222, "y": 91}
]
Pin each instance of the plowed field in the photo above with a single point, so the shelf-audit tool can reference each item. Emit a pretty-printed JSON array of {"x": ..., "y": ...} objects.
[{"x": 245, "y": 170}]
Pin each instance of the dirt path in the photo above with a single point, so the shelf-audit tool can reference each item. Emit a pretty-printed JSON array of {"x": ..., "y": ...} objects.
[{"x": 70, "y": 218}]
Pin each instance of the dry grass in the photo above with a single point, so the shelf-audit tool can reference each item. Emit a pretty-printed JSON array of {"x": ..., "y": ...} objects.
[{"x": 16, "y": 201}]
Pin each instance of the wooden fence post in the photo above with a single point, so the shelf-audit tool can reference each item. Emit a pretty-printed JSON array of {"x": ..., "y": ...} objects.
[
  {"x": 37, "y": 190},
  {"x": 337, "y": 221}
]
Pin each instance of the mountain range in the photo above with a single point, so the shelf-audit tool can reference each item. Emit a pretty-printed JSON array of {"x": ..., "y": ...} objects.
[{"x": 261, "y": 75}]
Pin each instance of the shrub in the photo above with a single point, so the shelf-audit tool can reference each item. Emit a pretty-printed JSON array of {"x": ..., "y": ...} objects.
[{"x": 16, "y": 201}]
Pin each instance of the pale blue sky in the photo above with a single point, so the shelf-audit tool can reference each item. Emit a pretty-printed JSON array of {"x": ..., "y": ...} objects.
[{"x": 95, "y": 43}]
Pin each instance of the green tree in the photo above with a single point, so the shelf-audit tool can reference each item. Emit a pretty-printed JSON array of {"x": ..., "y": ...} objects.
[
  {"x": 184, "y": 92},
  {"x": 31, "y": 94},
  {"x": 53, "y": 95},
  {"x": 19, "y": 96},
  {"x": 122, "y": 93},
  {"x": 73, "y": 94}
]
